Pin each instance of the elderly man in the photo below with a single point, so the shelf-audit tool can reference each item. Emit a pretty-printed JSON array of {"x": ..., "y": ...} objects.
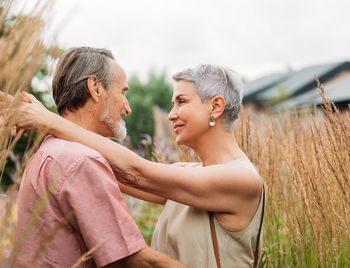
[{"x": 69, "y": 200}]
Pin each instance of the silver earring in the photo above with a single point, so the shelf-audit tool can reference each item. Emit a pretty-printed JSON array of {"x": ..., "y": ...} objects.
[{"x": 212, "y": 121}]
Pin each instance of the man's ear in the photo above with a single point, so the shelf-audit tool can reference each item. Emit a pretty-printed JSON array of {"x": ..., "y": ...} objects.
[
  {"x": 218, "y": 105},
  {"x": 94, "y": 87}
]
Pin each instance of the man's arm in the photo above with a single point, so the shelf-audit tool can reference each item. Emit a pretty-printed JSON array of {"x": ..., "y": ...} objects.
[
  {"x": 147, "y": 258},
  {"x": 156, "y": 199}
]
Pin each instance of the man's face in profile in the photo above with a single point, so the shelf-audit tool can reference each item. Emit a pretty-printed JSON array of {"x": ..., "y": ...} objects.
[{"x": 116, "y": 106}]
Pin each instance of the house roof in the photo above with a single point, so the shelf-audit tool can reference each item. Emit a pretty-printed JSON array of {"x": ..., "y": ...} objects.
[
  {"x": 335, "y": 91},
  {"x": 258, "y": 85},
  {"x": 293, "y": 83}
]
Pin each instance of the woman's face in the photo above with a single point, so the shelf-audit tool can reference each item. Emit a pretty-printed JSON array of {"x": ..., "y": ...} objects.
[{"x": 189, "y": 116}]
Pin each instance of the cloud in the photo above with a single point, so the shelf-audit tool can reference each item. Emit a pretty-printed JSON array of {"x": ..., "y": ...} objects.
[{"x": 253, "y": 37}]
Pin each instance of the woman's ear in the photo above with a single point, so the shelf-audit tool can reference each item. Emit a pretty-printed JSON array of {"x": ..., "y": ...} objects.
[
  {"x": 93, "y": 85},
  {"x": 218, "y": 105}
]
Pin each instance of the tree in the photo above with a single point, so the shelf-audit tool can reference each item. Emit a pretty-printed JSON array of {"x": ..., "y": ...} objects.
[{"x": 142, "y": 97}]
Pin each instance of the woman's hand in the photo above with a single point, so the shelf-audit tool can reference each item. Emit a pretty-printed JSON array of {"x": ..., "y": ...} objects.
[
  {"x": 27, "y": 111},
  {"x": 33, "y": 114}
]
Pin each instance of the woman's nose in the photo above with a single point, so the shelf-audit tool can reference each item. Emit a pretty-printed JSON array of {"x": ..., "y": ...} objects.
[{"x": 172, "y": 115}]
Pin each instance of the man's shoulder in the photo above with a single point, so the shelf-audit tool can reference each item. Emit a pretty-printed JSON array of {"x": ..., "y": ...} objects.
[{"x": 60, "y": 149}]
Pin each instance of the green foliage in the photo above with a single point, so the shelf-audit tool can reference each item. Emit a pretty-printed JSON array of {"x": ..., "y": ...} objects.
[
  {"x": 282, "y": 95},
  {"x": 146, "y": 219},
  {"x": 142, "y": 97},
  {"x": 44, "y": 96},
  {"x": 12, "y": 168}
]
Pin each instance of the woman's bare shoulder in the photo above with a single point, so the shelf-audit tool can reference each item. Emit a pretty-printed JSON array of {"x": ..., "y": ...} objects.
[{"x": 186, "y": 164}]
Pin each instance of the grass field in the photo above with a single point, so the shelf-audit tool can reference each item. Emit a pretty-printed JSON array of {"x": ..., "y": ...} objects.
[
  {"x": 304, "y": 160},
  {"x": 305, "y": 164}
]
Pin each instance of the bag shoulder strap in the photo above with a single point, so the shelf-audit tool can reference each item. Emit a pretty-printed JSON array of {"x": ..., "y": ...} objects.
[
  {"x": 215, "y": 243},
  {"x": 213, "y": 238},
  {"x": 256, "y": 253}
]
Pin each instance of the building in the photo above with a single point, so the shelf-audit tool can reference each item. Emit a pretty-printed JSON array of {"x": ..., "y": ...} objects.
[{"x": 297, "y": 89}]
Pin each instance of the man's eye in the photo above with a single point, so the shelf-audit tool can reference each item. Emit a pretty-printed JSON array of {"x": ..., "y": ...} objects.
[{"x": 182, "y": 101}]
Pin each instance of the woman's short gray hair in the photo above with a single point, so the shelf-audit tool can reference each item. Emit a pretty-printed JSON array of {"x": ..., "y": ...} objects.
[{"x": 212, "y": 80}]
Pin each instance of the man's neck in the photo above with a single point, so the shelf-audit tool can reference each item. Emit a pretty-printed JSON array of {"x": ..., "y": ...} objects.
[{"x": 83, "y": 119}]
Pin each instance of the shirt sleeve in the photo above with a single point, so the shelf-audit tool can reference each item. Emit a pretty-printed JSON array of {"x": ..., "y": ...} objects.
[{"x": 91, "y": 193}]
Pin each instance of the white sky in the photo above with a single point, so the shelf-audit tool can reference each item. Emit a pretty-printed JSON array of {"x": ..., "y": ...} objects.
[{"x": 253, "y": 37}]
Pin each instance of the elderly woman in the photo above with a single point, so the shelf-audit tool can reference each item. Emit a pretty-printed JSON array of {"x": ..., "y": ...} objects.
[{"x": 213, "y": 210}]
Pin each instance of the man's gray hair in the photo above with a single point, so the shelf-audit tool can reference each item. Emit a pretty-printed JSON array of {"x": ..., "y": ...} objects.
[
  {"x": 77, "y": 64},
  {"x": 212, "y": 80}
]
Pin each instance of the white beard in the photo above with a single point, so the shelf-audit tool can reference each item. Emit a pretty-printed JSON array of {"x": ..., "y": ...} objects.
[{"x": 117, "y": 127}]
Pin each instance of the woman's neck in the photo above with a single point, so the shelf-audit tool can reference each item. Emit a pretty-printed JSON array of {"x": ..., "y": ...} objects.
[{"x": 218, "y": 148}]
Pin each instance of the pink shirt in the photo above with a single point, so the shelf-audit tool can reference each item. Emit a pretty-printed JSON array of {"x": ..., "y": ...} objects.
[{"x": 69, "y": 201}]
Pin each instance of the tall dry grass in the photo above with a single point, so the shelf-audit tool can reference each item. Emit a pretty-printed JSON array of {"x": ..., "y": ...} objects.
[
  {"x": 22, "y": 52},
  {"x": 305, "y": 163}
]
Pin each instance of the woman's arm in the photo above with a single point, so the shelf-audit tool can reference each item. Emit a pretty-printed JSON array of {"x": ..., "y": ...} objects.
[
  {"x": 156, "y": 199},
  {"x": 220, "y": 188},
  {"x": 36, "y": 115}
]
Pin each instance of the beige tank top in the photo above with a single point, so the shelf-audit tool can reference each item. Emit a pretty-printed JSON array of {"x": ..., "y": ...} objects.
[{"x": 183, "y": 233}]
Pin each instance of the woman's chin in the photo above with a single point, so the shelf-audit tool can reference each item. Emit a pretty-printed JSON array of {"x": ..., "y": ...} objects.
[
  {"x": 181, "y": 141},
  {"x": 178, "y": 142}
]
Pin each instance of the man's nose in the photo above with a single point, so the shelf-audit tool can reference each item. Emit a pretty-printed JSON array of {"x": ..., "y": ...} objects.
[{"x": 127, "y": 108}]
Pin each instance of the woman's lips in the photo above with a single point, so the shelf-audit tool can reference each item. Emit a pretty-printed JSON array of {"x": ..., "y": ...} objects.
[{"x": 178, "y": 127}]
